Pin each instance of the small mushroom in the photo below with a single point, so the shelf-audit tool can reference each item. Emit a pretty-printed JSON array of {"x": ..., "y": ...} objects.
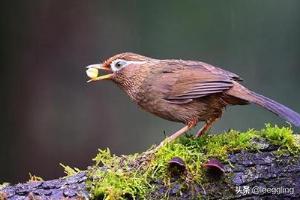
[
  {"x": 214, "y": 163},
  {"x": 176, "y": 166},
  {"x": 215, "y": 169}
]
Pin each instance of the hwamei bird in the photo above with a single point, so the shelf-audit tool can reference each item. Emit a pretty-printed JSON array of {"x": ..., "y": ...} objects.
[{"x": 182, "y": 90}]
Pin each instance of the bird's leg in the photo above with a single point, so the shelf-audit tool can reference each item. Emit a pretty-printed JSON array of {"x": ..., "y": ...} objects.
[
  {"x": 208, "y": 124},
  {"x": 178, "y": 133}
]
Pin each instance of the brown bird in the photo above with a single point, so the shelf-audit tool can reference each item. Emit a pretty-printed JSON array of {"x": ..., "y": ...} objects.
[{"x": 183, "y": 91}]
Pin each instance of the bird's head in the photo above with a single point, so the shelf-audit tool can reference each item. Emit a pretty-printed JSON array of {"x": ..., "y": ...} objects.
[{"x": 121, "y": 67}]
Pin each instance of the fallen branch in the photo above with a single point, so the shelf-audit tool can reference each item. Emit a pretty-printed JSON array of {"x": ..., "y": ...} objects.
[{"x": 271, "y": 169}]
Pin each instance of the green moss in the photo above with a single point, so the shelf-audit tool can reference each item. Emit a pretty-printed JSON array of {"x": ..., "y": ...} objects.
[
  {"x": 69, "y": 171},
  {"x": 282, "y": 137},
  {"x": 33, "y": 178},
  {"x": 122, "y": 176},
  {"x": 117, "y": 178}
]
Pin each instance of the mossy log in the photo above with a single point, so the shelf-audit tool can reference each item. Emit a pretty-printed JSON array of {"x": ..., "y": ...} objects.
[{"x": 271, "y": 171}]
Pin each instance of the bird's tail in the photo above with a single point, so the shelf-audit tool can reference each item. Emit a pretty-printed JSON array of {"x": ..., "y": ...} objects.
[{"x": 271, "y": 105}]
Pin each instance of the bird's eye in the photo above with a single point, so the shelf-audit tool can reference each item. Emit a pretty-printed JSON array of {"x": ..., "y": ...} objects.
[{"x": 118, "y": 65}]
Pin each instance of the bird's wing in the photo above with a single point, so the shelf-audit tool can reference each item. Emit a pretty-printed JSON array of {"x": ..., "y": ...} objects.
[
  {"x": 191, "y": 83},
  {"x": 214, "y": 70}
]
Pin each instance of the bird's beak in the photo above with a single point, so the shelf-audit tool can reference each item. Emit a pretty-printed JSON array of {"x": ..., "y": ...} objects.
[{"x": 92, "y": 72}]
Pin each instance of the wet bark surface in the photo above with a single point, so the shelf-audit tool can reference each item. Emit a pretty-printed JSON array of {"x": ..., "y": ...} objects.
[
  {"x": 247, "y": 175},
  {"x": 72, "y": 187}
]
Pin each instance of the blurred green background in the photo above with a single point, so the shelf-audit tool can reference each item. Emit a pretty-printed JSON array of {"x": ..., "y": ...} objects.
[{"x": 49, "y": 114}]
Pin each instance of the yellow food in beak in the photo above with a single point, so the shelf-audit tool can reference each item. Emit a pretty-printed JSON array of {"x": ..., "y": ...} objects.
[{"x": 93, "y": 73}]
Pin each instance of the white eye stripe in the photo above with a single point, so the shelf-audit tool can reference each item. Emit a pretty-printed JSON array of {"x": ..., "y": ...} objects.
[{"x": 118, "y": 64}]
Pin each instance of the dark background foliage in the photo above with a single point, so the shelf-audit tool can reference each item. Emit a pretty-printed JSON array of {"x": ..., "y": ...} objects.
[{"x": 49, "y": 114}]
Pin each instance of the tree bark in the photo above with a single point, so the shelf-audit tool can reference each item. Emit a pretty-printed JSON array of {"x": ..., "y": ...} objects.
[{"x": 249, "y": 175}]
